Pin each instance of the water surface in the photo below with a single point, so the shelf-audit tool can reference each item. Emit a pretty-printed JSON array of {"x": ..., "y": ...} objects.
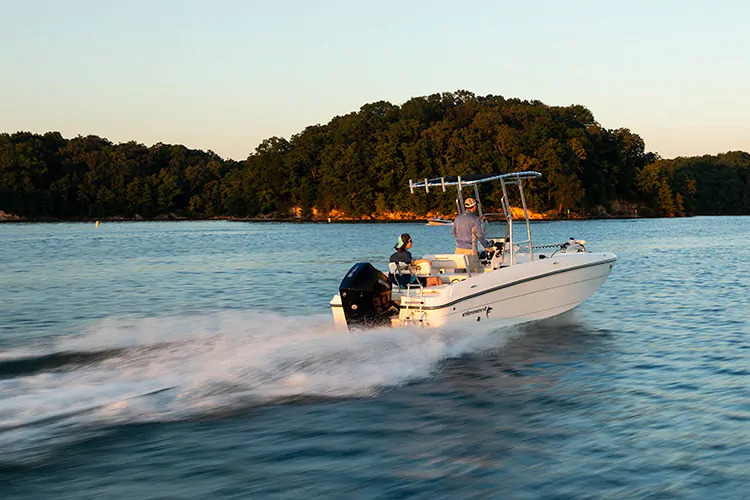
[{"x": 198, "y": 359}]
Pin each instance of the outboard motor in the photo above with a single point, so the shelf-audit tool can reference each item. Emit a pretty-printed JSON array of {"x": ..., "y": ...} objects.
[{"x": 366, "y": 297}]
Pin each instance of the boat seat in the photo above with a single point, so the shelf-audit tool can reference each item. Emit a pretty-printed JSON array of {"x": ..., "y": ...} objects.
[
  {"x": 421, "y": 269},
  {"x": 399, "y": 274},
  {"x": 449, "y": 262},
  {"x": 397, "y": 268}
]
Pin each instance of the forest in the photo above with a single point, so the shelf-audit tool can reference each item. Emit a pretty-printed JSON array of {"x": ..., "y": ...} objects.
[{"x": 357, "y": 166}]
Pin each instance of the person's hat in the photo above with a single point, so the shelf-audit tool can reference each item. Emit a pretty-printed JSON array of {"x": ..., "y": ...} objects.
[
  {"x": 403, "y": 240},
  {"x": 470, "y": 202}
]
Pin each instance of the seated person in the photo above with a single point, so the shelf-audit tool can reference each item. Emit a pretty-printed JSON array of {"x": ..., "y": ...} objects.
[{"x": 403, "y": 255}]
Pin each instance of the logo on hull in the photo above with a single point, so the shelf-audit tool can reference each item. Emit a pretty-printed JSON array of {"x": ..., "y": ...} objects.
[{"x": 486, "y": 310}]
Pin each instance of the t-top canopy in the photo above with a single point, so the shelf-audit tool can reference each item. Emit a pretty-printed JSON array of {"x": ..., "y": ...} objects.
[{"x": 470, "y": 180}]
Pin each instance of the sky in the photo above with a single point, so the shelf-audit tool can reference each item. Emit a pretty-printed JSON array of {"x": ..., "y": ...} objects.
[{"x": 225, "y": 75}]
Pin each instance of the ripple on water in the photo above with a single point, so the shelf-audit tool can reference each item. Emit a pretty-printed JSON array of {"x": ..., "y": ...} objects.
[{"x": 186, "y": 359}]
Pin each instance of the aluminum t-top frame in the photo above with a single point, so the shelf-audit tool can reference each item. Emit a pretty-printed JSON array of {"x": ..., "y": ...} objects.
[{"x": 461, "y": 182}]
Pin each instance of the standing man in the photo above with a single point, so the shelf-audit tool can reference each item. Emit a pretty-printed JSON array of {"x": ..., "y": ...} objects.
[{"x": 467, "y": 228}]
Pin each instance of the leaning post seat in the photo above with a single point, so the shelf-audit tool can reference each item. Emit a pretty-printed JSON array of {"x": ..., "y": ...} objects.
[
  {"x": 397, "y": 268},
  {"x": 399, "y": 274},
  {"x": 404, "y": 276},
  {"x": 448, "y": 263}
]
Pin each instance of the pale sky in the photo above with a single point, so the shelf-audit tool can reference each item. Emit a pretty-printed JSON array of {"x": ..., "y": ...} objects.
[{"x": 224, "y": 75}]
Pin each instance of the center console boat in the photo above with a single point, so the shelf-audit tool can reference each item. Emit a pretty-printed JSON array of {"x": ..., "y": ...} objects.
[{"x": 513, "y": 282}]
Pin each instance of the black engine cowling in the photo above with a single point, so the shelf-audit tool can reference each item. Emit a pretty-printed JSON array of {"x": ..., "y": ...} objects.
[{"x": 366, "y": 297}]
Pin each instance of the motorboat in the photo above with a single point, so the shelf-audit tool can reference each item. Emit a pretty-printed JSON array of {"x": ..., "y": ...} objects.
[
  {"x": 439, "y": 221},
  {"x": 513, "y": 282}
]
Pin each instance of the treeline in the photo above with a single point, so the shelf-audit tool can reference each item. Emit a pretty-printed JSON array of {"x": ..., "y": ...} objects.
[
  {"x": 359, "y": 164},
  {"x": 47, "y": 175},
  {"x": 704, "y": 185}
]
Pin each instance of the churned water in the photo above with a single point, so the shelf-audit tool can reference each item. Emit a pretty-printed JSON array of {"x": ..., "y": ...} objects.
[{"x": 198, "y": 360}]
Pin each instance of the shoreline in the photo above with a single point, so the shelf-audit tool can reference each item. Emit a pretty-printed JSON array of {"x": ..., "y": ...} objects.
[{"x": 82, "y": 220}]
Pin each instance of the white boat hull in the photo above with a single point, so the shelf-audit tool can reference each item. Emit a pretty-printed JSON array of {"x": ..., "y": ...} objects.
[
  {"x": 525, "y": 292},
  {"x": 556, "y": 285}
]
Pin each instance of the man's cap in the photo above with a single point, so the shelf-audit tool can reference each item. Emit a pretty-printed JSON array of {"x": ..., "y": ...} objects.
[{"x": 470, "y": 202}]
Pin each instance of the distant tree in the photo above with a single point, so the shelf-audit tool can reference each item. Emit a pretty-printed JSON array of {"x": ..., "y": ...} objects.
[
  {"x": 679, "y": 206},
  {"x": 360, "y": 164},
  {"x": 664, "y": 197}
]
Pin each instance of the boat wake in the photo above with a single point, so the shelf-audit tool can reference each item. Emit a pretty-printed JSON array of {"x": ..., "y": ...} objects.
[{"x": 129, "y": 371}]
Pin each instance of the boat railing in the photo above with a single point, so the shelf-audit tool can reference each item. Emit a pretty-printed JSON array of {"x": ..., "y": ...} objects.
[
  {"x": 522, "y": 243},
  {"x": 523, "y": 247}
]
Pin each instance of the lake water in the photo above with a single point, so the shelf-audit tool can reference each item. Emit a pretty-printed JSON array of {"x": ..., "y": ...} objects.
[{"x": 198, "y": 360}]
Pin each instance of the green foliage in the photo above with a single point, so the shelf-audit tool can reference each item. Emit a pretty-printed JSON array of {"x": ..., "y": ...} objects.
[
  {"x": 664, "y": 197},
  {"x": 360, "y": 164},
  {"x": 718, "y": 185}
]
